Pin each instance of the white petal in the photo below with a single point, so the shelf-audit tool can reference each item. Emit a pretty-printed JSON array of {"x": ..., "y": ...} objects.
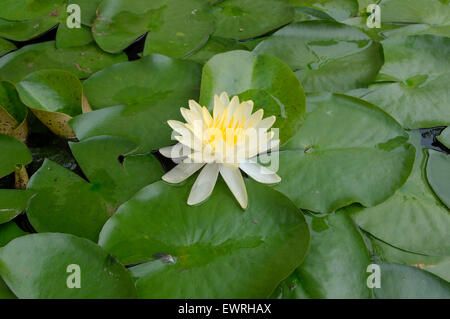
[
  {"x": 175, "y": 151},
  {"x": 218, "y": 107},
  {"x": 235, "y": 182},
  {"x": 178, "y": 126},
  {"x": 260, "y": 173},
  {"x": 224, "y": 99},
  {"x": 204, "y": 184},
  {"x": 190, "y": 116},
  {"x": 182, "y": 171},
  {"x": 266, "y": 123},
  {"x": 195, "y": 107},
  {"x": 255, "y": 118}
]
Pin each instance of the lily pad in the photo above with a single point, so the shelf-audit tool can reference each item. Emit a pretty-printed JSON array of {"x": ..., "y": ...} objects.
[
  {"x": 346, "y": 151},
  {"x": 415, "y": 81},
  {"x": 336, "y": 264},
  {"x": 8, "y": 232},
  {"x": 37, "y": 266},
  {"x": 436, "y": 15},
  {"x": 54, "y": 96},
  {"x": 13, "y": 112},
  {"x": 175, "y": 28},
  {"x": 413, "y": 219},
  {"x": 262, "y": 78},
  {"x": 326, "y": 55},
  {"x": 190, "y": 249},
  {"x": 337, "y": 9},
  {"x": 404, "y": 282},
  {"x": 444, "y": 137},
  {"x": 245, "y": 19},
  {"x": 82, "y": 61},
  {"x": 152, "y": 90},
  {"x": 12, "y": 153},
  {"x": 6, "y": 46},
  {"x": 5, "y": 292},
  {"x": 75, "y": 37},
  {"x": 438, "y": 175},
  {"x": 29, "y": 29},
  {"x": 12, "y": 203},
  {"x": 19, "y": 10},
  {"x": 88, "y": 9},
  {"x": 80, "y": 207},
  {"x": 440, "y": 266},
  {"x": 215, "y": 45}
]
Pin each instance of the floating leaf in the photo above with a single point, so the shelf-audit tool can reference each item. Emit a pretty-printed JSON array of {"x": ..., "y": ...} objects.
[
  {"x": 337, "y": 9},
  {"x": 6, "y": 46},
  {"x": 336, "y": 264},
  {"x": 403, "y": 282},
  {"x": 262, "y": 78},
  {"x": 75, "y": 37},
  {"x": 88, "y": 9},
  {"x": 13, "y": 112},
  {"x": 346, "y": 151},
  {"x": 81, "y": 61},
  {"x": 214, "y": 46},
  {"x": 12, "y": 203},
  {"x": 326, "y": 55},
  {"x": 413, "y": 219},
  {"x": 54, "y": 96},
  {"x": 194, "y": 247},
  {"x": 444, "y": 137},
  {"x": 80, "y": 207},
  {"x": 5, "y": 292},
  {"x": 153, "y": 89},
  {"x": 440, "y": 266},
  {"x": 417, "y": 73},
  {"x": 8, "y": 232},
  {"x": 175, "y": 28},
  {"x": 245, "y": 19},
  {"x": 29, "y": 29},
  {"x": 36, "y": 266},
  {"x": 12, "y": 153},
  {"x": 438, "y": 175},
  {"x": 19, "y": 10}
]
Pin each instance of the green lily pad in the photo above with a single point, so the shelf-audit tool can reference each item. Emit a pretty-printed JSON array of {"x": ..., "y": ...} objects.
[
  {"x": 5, "y": 292},
  {"x": 337, "y": 9},
  {"x": 262, "y": 78},
  {"x": 190, "y": 249},
  {"x": 175, "y": 28},
  {"x": 80, "y": 207},
  {"x": 19, "y": 10},
  {"x": 336, "y": 264},
  {"x": 436, "y": 15},
  {"x": 413, "y": 219},
  {"x": 215, "y": 45},
  {"x": 417, "y": 73},
  {"x": 326, "y": 55},
  {"x": 152, "y": 90},
  {"x": 403, "y": 282},
  {"x": 116, "y": 180},
  {"x": 12, "y": 153},
  {"x": 29, "y": 29},
  {"x": 36, "y": 266},
  {"x": 88, "y": 9},
  {"x": 54, "y": 96},
  {"x": 75, "y": 37},
  {"x": 444, "y": 137},
  {"x": 143, "y": 82},
  {"x": 245, "y": 19},
  {"x": 6, "y": 46},
  {"x": 8, "y": 232},
  {"x": 12, "y": 203},
  {"x": 440, "y": 266},
  {"x": 13, "y": 112},
  {"x": 346, "y": 151},
  {"x": 438, "y": 175},
  {"x": 82, "y": 61}
]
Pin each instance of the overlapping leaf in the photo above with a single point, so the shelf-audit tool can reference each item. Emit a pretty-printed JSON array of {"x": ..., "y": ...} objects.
[
  {"x": 36, "y": 266},
  {"x": 346, "y": 151},
  {"x": 194, "y": 247},
  {"x": 326, "y": 55}
]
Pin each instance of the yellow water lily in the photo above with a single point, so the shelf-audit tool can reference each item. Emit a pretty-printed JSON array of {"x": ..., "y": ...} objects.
[{"x": 226, "y": 142}]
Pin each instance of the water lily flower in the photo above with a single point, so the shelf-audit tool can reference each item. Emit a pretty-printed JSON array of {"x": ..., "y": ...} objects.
[{"x": 226, "y": 142}]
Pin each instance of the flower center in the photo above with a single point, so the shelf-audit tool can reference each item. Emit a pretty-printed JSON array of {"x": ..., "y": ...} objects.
[{"x": 231, "y": 131}]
